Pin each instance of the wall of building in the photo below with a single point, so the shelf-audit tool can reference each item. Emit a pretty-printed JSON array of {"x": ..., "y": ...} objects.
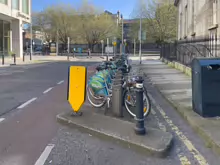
[
  {"x": 197, "y": 18},
  {"x": 14, "y": 13}
]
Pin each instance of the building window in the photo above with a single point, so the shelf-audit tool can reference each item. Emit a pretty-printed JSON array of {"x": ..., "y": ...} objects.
[
  {"x": 15, "y": 4},
  {"x": 4, "y": 37},
  {"x": 214, "y": 11},
  {"x": 25, "y": 6},
  {"x": 4, "y": 1}
]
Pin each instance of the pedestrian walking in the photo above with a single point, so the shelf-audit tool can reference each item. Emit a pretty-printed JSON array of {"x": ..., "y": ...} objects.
[
  {"x": 73, "y": 52},
  {"x": 89, "y": 53}
]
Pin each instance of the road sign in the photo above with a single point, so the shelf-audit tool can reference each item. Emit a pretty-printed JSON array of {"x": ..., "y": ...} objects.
[
  {"x": 114, "y": 43},
  {"x": 77, "y": 86},
  {"x": 142, "y": 35}
]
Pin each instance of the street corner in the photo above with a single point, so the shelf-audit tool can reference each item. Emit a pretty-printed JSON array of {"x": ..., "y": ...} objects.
[{"x": 156, "y": 142}]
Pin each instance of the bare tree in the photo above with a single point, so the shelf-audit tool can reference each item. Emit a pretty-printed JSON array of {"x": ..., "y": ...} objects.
[
  {"x": 96, "y": 25},
  {"x": 85, "y": 24}
]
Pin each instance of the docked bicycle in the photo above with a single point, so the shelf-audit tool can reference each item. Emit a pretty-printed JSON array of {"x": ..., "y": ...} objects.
[{"x": 99, "y": 87}]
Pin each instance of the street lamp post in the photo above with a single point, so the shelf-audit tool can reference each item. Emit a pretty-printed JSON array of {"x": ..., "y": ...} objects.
[
  {"x": 122, "y": 33},
  {"x": 134, "y": 47},
  {"x": 140, "y": 37},
  {"x": 33, "y": 46},
  {"x": 124, "y": 46},
  {"x": 31, "y": 51},
  {"x": 102, "y": 47}
]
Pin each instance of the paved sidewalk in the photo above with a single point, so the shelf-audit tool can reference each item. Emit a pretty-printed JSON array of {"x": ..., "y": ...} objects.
[
  {"x": 175, "y": 86},
  {"x": 41, "y": 59}
]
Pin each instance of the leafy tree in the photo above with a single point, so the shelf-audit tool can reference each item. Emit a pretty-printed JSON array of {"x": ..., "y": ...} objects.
[
  {"x": 159, "y": 20},
  {"x": 85, "y": 24}
]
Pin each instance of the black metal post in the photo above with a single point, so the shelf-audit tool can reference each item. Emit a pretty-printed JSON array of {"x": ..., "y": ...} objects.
[
  {"x": 30, "y": 56},
  {"x": 68, "y": 57},
  {"x": 14, "y": 55},
  {"x": 3, "y": 59},
  {"x": 139, "y": 128},
  {"x": 23, "y": 57}
]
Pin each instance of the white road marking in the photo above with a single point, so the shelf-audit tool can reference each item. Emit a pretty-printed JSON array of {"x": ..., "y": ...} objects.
[
  {"x": 2, "y": 119},
  {"x": 43, "y": 157},
  {"x": 60, "y": 82},
  {"x": 27, "y": 102},
  {"x": 49, "y": 89}
]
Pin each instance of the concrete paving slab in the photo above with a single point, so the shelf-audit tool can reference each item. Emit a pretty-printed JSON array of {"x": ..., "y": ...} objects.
[
  {"x": 156, "y": 142},
  {"x": 180, "y": 96}
]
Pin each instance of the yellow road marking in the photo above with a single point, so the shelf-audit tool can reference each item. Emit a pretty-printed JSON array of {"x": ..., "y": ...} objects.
[
  {"x": 184, "y": 160},
  {"x": 160, "y": 125},
  {"x": 196, "y": 154}
]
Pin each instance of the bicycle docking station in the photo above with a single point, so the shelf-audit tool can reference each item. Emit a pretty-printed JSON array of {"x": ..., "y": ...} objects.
[
  {"x": 117, "y": 96},
  {"x": 157, "y": 142}
]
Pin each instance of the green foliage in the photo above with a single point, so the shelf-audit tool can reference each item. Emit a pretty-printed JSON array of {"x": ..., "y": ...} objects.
[{"x": 158, "y": 20}]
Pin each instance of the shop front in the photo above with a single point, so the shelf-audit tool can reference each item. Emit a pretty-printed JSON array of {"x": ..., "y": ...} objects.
[{"x": 5, "y": 39}]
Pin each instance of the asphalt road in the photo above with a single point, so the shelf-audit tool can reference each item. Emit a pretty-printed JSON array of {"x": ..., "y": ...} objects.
[
  {"x": 21, "y": 83},
  {"x": 30, "y": 135}
]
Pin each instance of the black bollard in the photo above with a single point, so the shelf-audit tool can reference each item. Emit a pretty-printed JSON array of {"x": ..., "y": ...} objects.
[
  {"x": 30, "y": 56},
  {"x": 139, "y": 128},
  {"x": 23, "y": 57},
  {"x": 68, "y": 57},
  {"x": 14, "y": 55},
  {"x": 3, "y": 59}
]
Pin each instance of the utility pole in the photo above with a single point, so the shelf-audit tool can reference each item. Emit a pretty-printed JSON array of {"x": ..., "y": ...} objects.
[
  {"x": 122, "y": 34},
  {"x": 140, "y": 37},
  {"x": 31, "y": 47},
  {"x": 57, "y": 45},
  {"x": 107, "y": 48},
  {"x": 134, "y": 47},
  {"x": 68, "y": 44}
]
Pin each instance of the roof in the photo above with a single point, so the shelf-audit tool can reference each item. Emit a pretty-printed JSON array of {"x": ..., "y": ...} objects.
[{"x": 176, "y": 2}]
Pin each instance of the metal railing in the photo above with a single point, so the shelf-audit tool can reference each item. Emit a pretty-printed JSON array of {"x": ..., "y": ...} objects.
[{"x": 184, "y": 51}]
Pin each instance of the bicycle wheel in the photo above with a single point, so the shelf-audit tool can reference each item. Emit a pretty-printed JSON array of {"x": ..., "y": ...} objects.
[
  {"x": 130, "y": 102},
  {"x": 89, "y": 90},
  {"x": 97, "y": 103}
]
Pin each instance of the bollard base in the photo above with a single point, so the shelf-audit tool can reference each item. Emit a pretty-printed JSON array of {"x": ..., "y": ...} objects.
[
  {"x": 76, "y": 114},
  {"x": 157, "y": 142},
  {"x": 140, "y": 131}
]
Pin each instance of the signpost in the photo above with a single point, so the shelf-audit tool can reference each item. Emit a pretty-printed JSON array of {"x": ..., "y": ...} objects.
[
  {"x": 102, "y": 47},
  {"x": 134, "y": 47},
  {"x": 114, "y": 44},
  {"x": 108, "y": 48},
  {"x": 68, "y": 48},
  {"x": 76, "y": 92}
]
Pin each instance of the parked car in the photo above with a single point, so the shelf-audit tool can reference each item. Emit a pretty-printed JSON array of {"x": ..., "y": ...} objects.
[{"x": 38, "y": 48}]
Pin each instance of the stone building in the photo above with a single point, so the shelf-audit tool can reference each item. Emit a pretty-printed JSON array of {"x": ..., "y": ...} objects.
[{"x": 198, "y": 18}]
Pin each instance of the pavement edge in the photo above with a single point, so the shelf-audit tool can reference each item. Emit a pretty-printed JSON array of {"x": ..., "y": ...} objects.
[{"x": 125, "y": 143}]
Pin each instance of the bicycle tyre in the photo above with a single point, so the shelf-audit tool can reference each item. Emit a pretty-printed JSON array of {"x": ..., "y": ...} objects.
[
  {"x": 145, "y": 97},
  {"x": 91, "y": 93},
  {"x": 96, "y": 105}
]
